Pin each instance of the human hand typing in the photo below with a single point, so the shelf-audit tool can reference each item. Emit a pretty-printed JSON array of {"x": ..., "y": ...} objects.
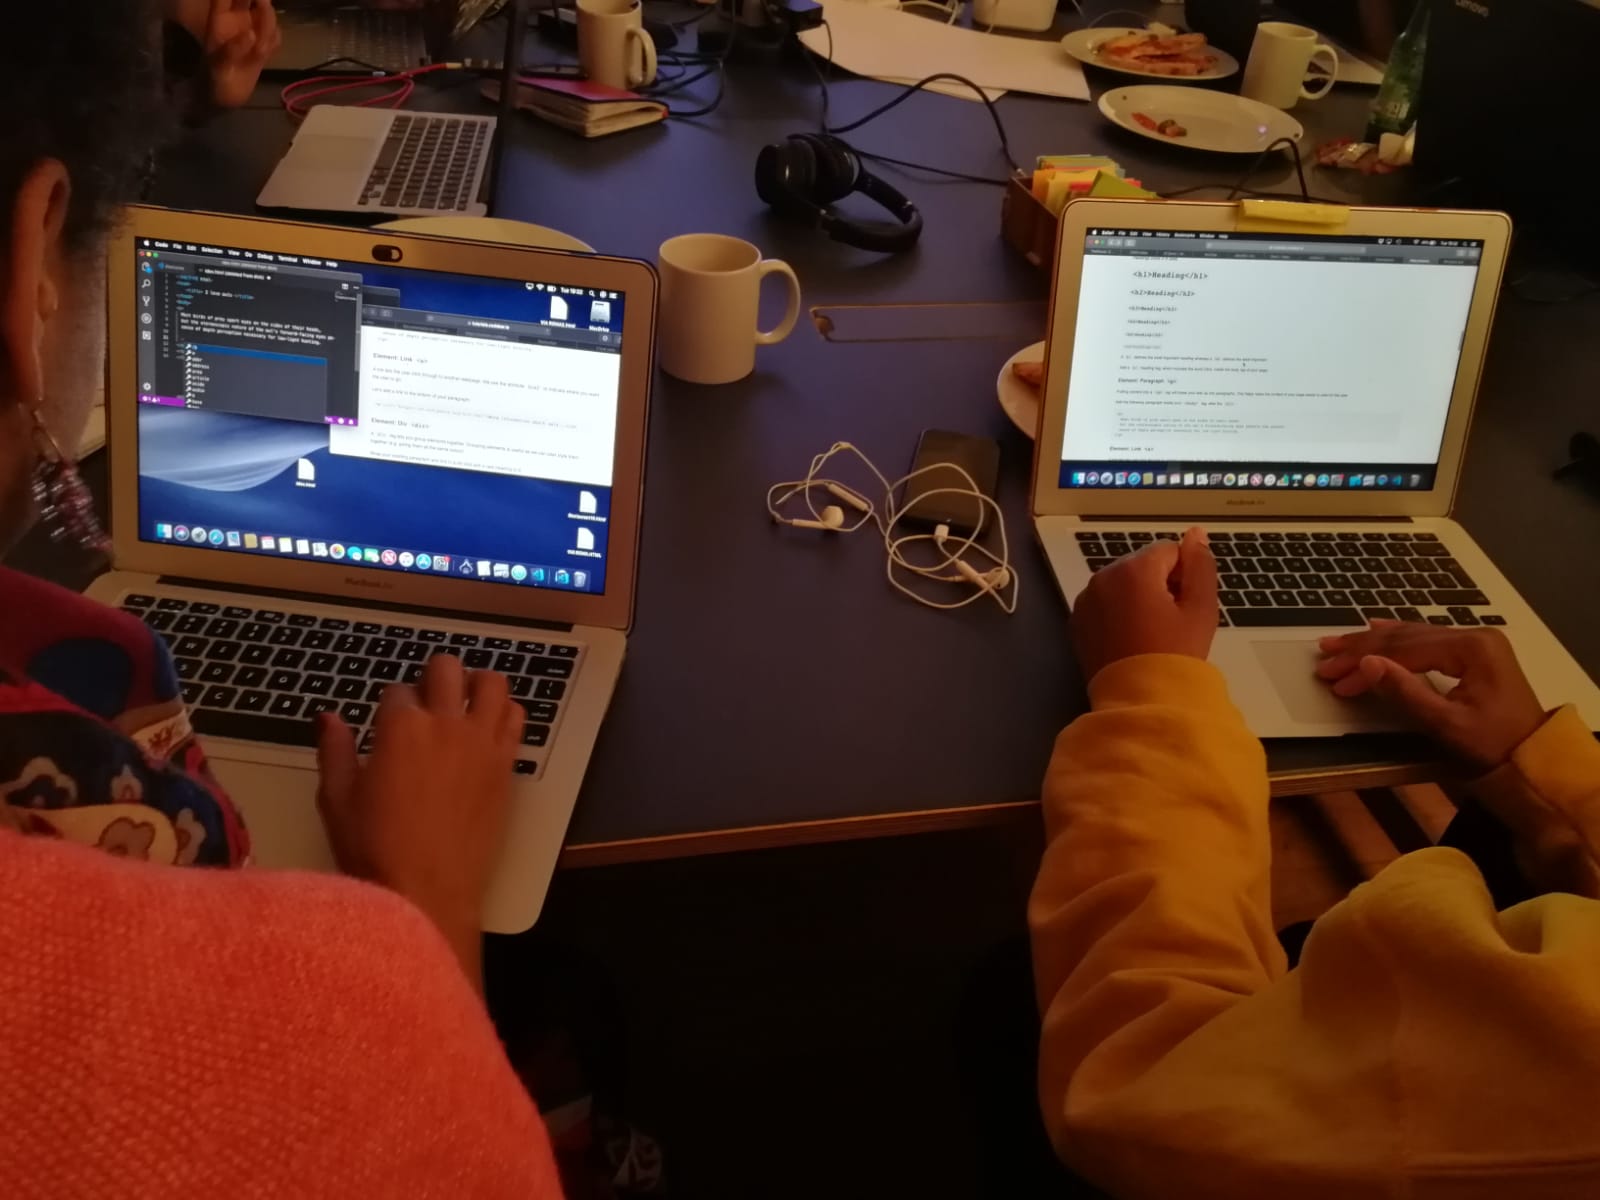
[
  {"x": 425, "y": 814},
  {"x": 1162, "y": 600},
  {"x": 1490, "y": 712}
]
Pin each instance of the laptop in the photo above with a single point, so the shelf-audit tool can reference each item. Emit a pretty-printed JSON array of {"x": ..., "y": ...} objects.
[
  {"x": 1304, "y": 392},
  {"x": 342, "y": 37},
  {"x": 334, "y": 455}
]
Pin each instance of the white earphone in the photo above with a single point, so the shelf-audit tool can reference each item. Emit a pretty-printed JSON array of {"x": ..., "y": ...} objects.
[{"x": 948, "y": 566}]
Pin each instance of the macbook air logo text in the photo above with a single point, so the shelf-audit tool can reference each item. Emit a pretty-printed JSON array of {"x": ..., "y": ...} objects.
[
  {"x": 1244, "y": 503},
  {"x": 1474, "y": 7},
  {"x": 369, "y": 583}
]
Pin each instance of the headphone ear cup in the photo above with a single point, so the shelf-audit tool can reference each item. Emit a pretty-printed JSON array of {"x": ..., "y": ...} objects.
[
  {"x": 785, "y": 175},
  {"x": 836, "y": 167}
]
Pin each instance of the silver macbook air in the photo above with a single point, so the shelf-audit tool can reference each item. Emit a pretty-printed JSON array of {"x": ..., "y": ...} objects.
[
  {"x": 1304, "y": 391},
  {"x": 334, "y": 455}
]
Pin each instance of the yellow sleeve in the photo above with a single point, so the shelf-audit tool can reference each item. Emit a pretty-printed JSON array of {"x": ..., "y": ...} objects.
[
  {"x": 1179, "y": 1058},
  {"x": 1549, "y": 796}
]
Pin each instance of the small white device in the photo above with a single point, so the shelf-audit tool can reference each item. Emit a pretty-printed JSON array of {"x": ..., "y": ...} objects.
[
  {"x": 906, "y": 558},
  {"x": 1303, "y": 391}
]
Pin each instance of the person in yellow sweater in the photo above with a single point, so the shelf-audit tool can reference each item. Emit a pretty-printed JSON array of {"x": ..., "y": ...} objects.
[{"x": 1426, "y": 1045}]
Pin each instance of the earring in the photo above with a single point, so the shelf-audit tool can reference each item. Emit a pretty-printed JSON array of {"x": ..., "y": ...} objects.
[{"x": 62, "y": 499}]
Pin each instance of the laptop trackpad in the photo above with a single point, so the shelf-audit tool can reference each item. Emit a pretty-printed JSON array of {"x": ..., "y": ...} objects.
[
  {"x": 1291, "y": 665},
  {"x": 326, "y": 152}
]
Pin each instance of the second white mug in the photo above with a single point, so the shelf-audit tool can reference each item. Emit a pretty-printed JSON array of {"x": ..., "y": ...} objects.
[
  {"x": 613, "y": 47},
  {"x": 710, "y": 293},
  {"x": 1280, "y": 58}
]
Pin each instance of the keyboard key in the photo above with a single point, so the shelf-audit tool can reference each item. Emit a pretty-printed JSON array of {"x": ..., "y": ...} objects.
[
  {"x": 1378, "y": 614},
  {"x": 1228, "y": 599},
  {"x": 350, "y": 689},
  {"x": 1336, "y": 597},
  {"x": 1407, "y": 614},
  {"x": 159, "y": 620},
  {"x": 250, "y": 726},
  {"x": 255, "y": 656},
  {"x": 550, "y": 689},
  {"x": 509, "y": 664},
  {"x": 219, "y": 697},
  {"x": 1463, "y": 616},
  {"x": 1440, "y": 619},
  {"x": 317, "y": 639},
  {"x": 1298, "y": 565},
  {"x": 302, "y": 620},
  {"x": 187, "y": 668},
  {"x": 431, "y": 636},
  {"x": 463, "y": 639},
  {"x": 168, "y": 604},
  {"x": 336, "y": 624},
  {"x": 252, "y": 701},
  {"x": 138, "y": 600},
  {"x": 376, "y": 690},
  {"x": 540, "y": 710},
  {"x": 1246, "y": 537},
  {"x": 1258, "y": 599},
  {"x": 1289, "y": 617},
  {"x": 216, "y": 672},
  {"x": 1415, "y": 579},
  {"x": 496, "y": 643},
  {"x": 354, "y": 665},
  {"x": 368, "y": 627},
  {"x": 1284, "y": 599},
  {"x": 320, "y": 704},
  {"x": 356, "y": 714},
  {"x": 1314, "y": 581},
  {"x": 254, "y": 631},
  {"x": 269, "y": 616},
  {"x": 317, "y": 685},
  {"x": 1424, "y": 537},
  {"x": 1416, "y": 596},
  {"x": 322, "y": 662},
  {"x": 556, "y": 668},
  {"x": 399, "y": 631},
  {"x": 237, "y": 613},
  {"x": 1085, "y": 535},
  {"x": 1362, "y": 598},
  {"x": 412, "y": 673},
  {"x": 1398, "y": 565},
  {"x": 288, "y": 657},
  {"x": 413, "y": 652},
  {"x": 1118, "y": 549},
  {"x": 250, "y": 677},
  {"x": 1390, "y": 597},
  {"x": 1273, "y": 550},
  {"x": 1297, "y": 537},
  {"x": 478, "y": 660},
  {"x": 1234, "y": 581},
  {"x": 1363, "y": 580},
  {"x": 283, "y": 681},
  {"x": 530, "y": 647},
  {"x": 525, "y": 766},
  {"x": 1309, "y": 598},
  {"x": 387, "y": 671},
  {"x": 222, "y": 627},
  {"x": 1441, "y": 579},
  {"x": 192, "y": 646},
  {"x": 1272, "y": 537},
  {"x": 223, "y": 651},
  {"x": 1097, "y": 564},
  {"x": 1389, "y": 579},
  {"x": 286, "y": 706},
  {"x": 535, "y": 735},
  {"x": 1491, "y": 619},
  {"x": 1347, "y": 548},
  {"x": 1259, "y": 582},
  {"x": 1348, "y": 565},
  {"x": 1457, "y": 572},
  {"x": 1323, "y": 537},
  {"x": 1375, "y": 537},
  {"x": 1431, "y": 550},
  {"x": 1289, "y": 582},
  {"x": 349, "y": 643},
  {"x": 1400, "y": 537},
  {"x": 1323, "y": 549},
  {"x": 1451, "y": 597},
  {"x": 192, "y": 691},
  {"x": 382, "y": 647},
  {"x": 188, "y": 623}
]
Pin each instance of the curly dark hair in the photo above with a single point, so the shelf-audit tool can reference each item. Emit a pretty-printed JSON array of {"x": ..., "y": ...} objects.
[{"x": 80, "y": 81}]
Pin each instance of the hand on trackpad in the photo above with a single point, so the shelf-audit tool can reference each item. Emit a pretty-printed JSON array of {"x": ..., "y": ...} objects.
[{"x": 1291, "y": 666}]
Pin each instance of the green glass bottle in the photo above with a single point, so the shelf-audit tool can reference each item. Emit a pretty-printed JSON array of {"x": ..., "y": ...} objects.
[{"x": 1395, "y": 109}]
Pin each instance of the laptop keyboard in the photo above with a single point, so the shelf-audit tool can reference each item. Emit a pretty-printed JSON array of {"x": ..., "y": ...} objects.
[
  {"x": 261, "y": 674},
  {"x": 381, "y": 39},
  {"x": 1326, "y": 578},
  {"x": 428, "y": 162}
]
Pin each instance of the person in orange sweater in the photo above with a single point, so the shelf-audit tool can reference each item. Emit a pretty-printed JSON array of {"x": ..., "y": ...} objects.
[
  {"x": 1427, "y": 1045},
  {"x": 174, "y": 1027}
]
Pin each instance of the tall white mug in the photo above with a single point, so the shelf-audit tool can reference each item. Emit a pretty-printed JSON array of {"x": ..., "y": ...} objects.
[
  {"x": 1280, "y": 59},
  {"x": 613, "y": 47},
  {"x": 710, "y": 294}
]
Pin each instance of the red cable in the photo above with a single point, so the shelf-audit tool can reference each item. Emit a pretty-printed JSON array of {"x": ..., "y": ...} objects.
[{"x": 297, "y": 104}]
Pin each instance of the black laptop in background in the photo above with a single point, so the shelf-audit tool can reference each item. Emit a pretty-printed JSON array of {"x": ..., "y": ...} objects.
[{"x": 343, "y": 37}]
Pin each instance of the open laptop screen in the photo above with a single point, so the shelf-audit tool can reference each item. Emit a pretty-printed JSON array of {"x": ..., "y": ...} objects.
[
  {"x": 1264, "y": 360},
  {"x": 413, "y": 420}
]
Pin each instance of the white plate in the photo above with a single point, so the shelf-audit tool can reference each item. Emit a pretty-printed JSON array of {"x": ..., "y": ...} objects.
[
  {"x": 1020, "y": 401},
  {"x": 1214, "y": 120},
  {"x": 1081, "y": 44}
]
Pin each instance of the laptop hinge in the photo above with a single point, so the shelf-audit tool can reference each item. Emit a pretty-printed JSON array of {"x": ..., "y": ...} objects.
[
  {"x": 415, "y": 610},
  {"x": 1242, "y": 519}
]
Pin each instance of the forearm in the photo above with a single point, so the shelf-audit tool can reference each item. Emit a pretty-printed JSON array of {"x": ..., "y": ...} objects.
[
  {"x": 1549, "y": 795},
  {"x": 1152, "y": 912}
]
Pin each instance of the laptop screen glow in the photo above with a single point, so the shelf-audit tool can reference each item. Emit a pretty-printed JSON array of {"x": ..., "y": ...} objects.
[
  {"x": 353, "y": 412},
  {"x": 1259, "y": 360}
]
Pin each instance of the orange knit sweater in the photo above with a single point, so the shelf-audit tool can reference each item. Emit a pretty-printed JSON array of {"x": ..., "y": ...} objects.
[{"x": 186, "y": 1032}]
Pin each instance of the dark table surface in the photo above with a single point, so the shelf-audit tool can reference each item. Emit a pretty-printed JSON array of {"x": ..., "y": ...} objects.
[{"x": 776, "y": 688}]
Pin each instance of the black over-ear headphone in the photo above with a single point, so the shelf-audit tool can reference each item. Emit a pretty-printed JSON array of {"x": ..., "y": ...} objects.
[{"x": 804, "y": 176}]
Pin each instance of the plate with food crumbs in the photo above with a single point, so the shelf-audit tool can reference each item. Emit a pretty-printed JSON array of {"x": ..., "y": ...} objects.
[
  {"x": 1021, "y": 380},
  {"x": 1199, "y": 119},
  {"x": 1157, "y": 52}
]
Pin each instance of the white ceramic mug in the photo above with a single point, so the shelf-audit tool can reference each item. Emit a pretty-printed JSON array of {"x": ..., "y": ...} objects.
[
  {"x": 1280, "y": 59},
  {"x": 613, "y": 47},
  {"x": 710, "y": 294}
]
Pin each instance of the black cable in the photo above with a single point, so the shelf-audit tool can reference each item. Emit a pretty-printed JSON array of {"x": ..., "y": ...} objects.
[{"x": 912, "y": 89}]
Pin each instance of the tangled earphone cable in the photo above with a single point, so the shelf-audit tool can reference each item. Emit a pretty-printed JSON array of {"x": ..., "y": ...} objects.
[{"x": 948, "y": 566}]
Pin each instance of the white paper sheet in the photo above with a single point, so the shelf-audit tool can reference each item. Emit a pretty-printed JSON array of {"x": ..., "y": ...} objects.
[{"x": 884, "y": 43}]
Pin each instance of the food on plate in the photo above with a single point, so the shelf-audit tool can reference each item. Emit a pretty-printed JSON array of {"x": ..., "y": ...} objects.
[
  {"x": 1166, "y": 128},
  {"x": 1158, "y": 53},
  {"x": 1030, "y": 373}
]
